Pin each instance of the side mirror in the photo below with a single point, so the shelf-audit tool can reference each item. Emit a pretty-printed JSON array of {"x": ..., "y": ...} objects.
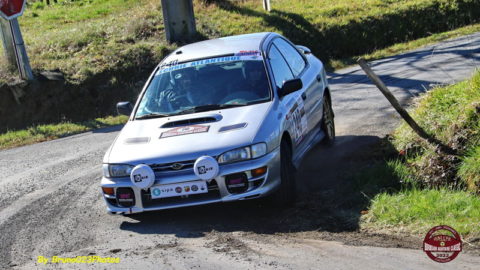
[
  {"x": 290, "y": 86},
  {"x": 304, "y": 49},
  {"x": 124, "y": 108}
]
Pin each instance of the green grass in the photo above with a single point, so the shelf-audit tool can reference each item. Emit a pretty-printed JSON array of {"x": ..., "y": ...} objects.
[
  {"x": 469, "y": 169},
  {"x": 420, "y": 188},
  {"x": 42, "y": 133},
  {"x": 418, "y": 210},
  {"x": 444, "y": 112},
  {"x": 87, "y": 37},
  {"x": 452, "y": 114},
  {"x": 339, "y": 30}
]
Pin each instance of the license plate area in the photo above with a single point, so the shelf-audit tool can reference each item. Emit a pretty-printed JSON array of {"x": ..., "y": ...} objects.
[{"x": 178, "y": 189}]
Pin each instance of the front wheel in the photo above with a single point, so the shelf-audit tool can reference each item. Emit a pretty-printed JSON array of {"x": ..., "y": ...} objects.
[
  {"x": 328, "y": 124},
  {"x": 285, "y": 195}
]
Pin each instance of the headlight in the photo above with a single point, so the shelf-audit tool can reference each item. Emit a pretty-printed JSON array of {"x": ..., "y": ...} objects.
[
  {"x": 244, "y": 153},
  {"x": 114, "y": 170},
  {"x": 258, "y": 150}
]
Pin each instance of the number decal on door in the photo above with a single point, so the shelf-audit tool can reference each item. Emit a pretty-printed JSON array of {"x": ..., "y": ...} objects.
[{"x": 299, "y": 121}]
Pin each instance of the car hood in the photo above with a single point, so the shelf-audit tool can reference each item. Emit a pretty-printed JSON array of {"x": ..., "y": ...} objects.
[{"x": 149, "y": 141}]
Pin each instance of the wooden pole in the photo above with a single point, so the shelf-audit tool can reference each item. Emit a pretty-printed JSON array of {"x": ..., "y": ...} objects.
[
  {"x": 7, "y": 41},
  {"x": 403, "y": 113},
  {"x": 179, "y": 20}
]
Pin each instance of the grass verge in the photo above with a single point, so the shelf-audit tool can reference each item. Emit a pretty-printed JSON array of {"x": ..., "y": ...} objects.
[
  {"x": 87, "y": 37},
  {"x": 418, "y": 210},
  {"x": 420, "y": 188},
  {"x": 42, "y": 133},
  {"x": 405, "y": 46}
]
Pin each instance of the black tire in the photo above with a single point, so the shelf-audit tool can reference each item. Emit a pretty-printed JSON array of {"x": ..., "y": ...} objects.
[
  {"x": 286, "y": 194},
  {"x": 328, "y": 123}
]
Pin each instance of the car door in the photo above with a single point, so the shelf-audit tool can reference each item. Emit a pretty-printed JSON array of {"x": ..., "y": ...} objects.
[
  {"x": 301, "y": 69},
  {"x": 293, "y": 102}
]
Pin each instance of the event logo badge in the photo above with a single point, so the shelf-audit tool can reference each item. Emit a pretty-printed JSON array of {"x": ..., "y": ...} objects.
[
  {"x": 179, "y": 131},
  {"x": 442, "y": 244}
]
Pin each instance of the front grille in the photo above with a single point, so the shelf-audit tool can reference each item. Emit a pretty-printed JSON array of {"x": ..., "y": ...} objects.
[
  {"x": 165, "y": 167},
  {"x": 213, "y": 193}
]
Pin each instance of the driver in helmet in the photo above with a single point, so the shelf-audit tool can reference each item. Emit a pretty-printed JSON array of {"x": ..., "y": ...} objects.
[{"x": 185, "y": 93}]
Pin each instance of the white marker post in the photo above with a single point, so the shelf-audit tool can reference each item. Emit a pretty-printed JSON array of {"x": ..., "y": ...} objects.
[
  {"x": 266, "y": 5},
  {"x": 10, "y": 10}
]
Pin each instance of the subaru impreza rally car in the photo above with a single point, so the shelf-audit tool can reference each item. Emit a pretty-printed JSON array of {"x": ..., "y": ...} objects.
[{"x": 217, "y": 121}]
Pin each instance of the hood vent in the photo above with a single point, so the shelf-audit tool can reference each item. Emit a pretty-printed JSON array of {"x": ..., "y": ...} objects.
[
  {"x": 232, "y": 127},
  {"x": 193, "y": 121},
  {"x": 137, "y": 140}
]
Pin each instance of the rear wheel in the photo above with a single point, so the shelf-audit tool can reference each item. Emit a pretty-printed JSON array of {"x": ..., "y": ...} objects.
[
  {"x": 328, "y": 124},
  {"x": 285, "y": 195}
]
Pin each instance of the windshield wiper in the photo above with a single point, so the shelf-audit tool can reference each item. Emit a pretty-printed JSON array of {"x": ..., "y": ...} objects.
[
  {"x": 209, "y": 107},
  {"x": 152, "y": 115}
]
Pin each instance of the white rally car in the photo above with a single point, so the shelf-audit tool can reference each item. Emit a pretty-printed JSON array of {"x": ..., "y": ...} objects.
[{"x": 217, "y": 121}]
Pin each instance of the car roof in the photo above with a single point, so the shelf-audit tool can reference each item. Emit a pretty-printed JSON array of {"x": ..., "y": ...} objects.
[{"x": 217, "y": 47}]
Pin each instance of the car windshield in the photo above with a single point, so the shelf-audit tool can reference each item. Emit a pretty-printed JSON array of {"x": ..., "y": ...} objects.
[{"x": 205, "y": 85}]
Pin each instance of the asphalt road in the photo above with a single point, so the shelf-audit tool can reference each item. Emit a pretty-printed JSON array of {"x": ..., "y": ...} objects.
[{"x": 50, "y": 203}]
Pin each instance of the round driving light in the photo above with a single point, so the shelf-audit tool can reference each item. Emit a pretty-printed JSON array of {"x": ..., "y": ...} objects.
[
  {"x": 206, "y": 168},
  {"x": 142, "y": 176}
]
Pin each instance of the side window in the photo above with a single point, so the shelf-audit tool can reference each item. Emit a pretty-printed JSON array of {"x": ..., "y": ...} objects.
[
  {"x": 280, "y": 68},
  {"x": 293, "y": 57}
]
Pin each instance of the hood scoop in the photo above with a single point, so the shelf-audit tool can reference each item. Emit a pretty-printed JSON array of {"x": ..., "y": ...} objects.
[{"x": 192, "y": 121}]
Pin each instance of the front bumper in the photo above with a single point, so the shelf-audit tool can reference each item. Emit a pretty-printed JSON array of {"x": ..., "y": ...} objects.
[{"x": 218, "y": 192}]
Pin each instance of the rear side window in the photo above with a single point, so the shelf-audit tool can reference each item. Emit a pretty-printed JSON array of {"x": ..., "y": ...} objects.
[
  {"x": 293, "y": 57},
  {"x": 280, "y": 68}
]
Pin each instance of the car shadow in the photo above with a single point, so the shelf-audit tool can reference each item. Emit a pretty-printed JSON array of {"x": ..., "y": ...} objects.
[{"x": 325, "y": 201}]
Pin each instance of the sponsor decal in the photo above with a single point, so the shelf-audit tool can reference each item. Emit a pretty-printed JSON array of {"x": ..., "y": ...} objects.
[
  {"x": 169, "y": 64},
  {"x": 204, "y": 170},
  {"x": 184, "y": 131},
  {"x": 236, "y": 182},
  {"x": 156, "y": 192},
  {"x": 124, "y": 196},
  {"x": 174, "y": 65},
  {"x": 178, "y": 189},
  {"x": 248, "y": 53},
  {"x": 139, "y": 178},
  {"x": 442, "y": 244}
]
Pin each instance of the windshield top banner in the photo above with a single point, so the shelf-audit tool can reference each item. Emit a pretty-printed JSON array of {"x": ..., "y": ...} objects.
[{"x": 241, "y": 56}]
